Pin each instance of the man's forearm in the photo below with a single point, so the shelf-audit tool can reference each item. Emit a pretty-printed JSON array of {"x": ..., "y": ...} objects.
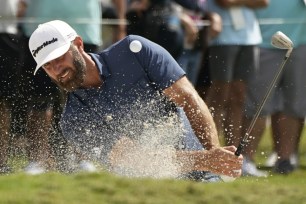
[
  {"x": 169, "y": 162},
  {"x": 187, "y": 161},
  {"x": 184, "y": 95},
  {"x": 202, "y": 122}
]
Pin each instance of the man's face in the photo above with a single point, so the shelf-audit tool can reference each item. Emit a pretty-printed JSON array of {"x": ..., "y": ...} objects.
[{"x": 68, "y": 70}]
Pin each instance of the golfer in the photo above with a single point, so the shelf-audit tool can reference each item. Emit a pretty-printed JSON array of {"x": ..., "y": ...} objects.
[{"x": 116, "y": 97}]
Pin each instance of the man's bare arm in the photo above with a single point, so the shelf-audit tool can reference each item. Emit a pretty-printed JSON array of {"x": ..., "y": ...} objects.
[
  {"x": 254, "y": 4},
  {"x": 126, "y": 154},
  {"x": 121, "y": 8},
  {"x": 184, "y": 95}
]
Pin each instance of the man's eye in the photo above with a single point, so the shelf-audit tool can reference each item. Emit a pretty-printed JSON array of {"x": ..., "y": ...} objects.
[{"x": 46, "y": 65}]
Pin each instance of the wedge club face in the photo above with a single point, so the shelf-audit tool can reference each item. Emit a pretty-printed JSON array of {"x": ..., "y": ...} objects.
[{"x": 281, "y": 41}]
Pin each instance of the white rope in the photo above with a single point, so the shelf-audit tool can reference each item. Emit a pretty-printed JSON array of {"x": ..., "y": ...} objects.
[
  {"x": 200, "y": 23},
  {"x": 77, "y": 21},
  {"x": 263, "y": 21}
]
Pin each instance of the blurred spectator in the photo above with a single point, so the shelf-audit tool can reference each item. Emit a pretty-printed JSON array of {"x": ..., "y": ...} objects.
[
  {"x": 9, "y": 59},
  {"x": 120, "y": 10},
  {"x": 233, "y": 57},
  {"x": 196, "y": 37},
  {"x": 190, "y": 57},
  {"x": 161, "y": 22},
  {"x": 286, "y": 104},
  {"x": 113, "y": 10},
  {"x": 207, "y": 33},
  {"x": 43, "y": 98}
]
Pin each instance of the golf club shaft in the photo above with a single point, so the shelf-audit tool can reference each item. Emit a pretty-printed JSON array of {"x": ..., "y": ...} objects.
[{"x": 244, "y": 140}]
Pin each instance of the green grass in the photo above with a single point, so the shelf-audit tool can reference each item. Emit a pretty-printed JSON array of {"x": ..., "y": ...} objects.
[{"x": 107, "y": 188}]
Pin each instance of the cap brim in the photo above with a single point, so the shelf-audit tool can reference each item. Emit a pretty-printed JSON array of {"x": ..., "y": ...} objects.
[{"x": 53, "y": 55}]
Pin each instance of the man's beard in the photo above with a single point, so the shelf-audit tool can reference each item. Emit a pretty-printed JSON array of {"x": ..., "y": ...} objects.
[{"x": 76, "y": 80}]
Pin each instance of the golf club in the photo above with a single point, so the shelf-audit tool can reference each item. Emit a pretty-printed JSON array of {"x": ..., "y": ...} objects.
[{"x": 280, "y": 41}]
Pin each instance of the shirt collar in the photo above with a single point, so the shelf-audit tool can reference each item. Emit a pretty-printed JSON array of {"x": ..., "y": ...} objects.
[{"x": 103, "y": 69}]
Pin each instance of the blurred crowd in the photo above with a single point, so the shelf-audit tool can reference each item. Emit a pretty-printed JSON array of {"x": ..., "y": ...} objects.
[{"x": 223, "y": 46}]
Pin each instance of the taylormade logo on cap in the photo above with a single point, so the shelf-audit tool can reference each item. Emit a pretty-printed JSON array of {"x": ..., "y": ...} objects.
[
  {"x": 50, "y": 41},
  {"x": 34, "y": 52}
]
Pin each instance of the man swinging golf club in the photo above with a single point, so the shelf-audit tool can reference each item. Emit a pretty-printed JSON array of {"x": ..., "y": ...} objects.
[{"x": 118, "y": 94}]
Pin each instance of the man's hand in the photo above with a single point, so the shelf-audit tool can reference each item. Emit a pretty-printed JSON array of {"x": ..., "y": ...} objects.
[
  {"x": 223, "y": 161},
  {"x": 215, "y": 25},
  {"x": 191, "y": 29},
  {"x": 218, "y": 160}
]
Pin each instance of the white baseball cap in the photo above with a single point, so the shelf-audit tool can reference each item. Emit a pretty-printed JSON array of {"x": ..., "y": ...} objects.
[{"x": 50, "y": 40}]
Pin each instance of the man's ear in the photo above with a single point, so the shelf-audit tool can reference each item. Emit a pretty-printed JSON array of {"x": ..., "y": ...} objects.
[{"x": 78, "y": 42}]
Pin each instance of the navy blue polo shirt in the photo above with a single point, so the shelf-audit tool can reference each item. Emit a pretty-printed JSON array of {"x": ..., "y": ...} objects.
[{"x": 130, "y": 99}]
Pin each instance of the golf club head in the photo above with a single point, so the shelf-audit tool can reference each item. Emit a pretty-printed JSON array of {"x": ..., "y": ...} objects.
[{"x": 281, "y": 41}]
